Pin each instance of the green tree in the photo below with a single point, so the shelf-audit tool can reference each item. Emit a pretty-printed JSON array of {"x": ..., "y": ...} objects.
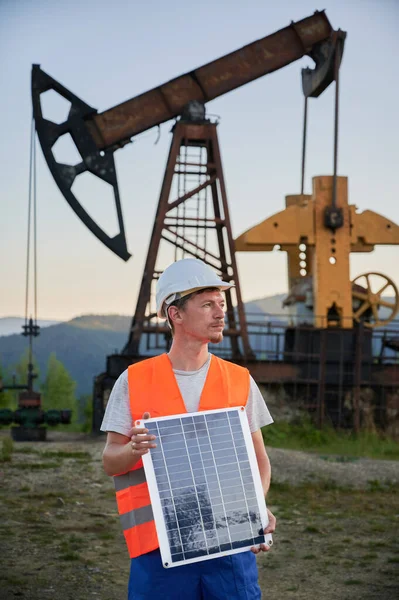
[
  {"x": 21, "y": 369},
  {"x": 86, "y": 412},
  {"x": 59, "y": 388},
  {"x": 7, "y": 397}
]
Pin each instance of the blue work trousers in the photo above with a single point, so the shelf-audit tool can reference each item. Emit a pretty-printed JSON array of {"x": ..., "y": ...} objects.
[{"x": 233, "y": 577}]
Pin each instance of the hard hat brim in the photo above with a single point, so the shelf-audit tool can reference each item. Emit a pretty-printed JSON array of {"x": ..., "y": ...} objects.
[{"x": 222, "y": 286}]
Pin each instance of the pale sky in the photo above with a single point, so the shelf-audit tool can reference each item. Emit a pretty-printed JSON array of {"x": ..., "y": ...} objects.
[{"x": 106, "y": 52}]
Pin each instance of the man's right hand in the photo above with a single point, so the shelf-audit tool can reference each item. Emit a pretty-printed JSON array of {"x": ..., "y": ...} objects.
[{"x": 140, "y": 441}]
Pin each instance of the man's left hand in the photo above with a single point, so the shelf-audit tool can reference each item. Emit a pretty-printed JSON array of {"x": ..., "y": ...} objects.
[{"x": 269, "y": 529}]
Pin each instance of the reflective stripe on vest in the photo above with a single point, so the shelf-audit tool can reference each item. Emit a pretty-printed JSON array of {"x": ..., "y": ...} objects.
[
  {"x": 131, "y": 478},
  {"x": 135, "y": 511},
  {"x": 153, "y": 388}
]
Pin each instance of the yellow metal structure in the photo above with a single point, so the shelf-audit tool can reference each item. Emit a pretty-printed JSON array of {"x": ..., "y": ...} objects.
[{"x": 321, "y": 254}]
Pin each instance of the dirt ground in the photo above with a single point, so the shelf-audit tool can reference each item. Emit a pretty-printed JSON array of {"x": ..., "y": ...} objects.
[{"x": 337, "y": 536}]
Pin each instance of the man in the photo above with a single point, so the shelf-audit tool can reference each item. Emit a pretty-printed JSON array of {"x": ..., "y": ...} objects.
[{"x": 187, "y": 379}]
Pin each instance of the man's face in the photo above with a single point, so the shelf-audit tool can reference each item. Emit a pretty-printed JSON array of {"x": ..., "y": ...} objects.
[{"x": 202, "y": 317}]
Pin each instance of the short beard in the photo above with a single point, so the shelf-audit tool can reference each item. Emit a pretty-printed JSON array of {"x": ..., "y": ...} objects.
[{"x": 216, "y": 338}]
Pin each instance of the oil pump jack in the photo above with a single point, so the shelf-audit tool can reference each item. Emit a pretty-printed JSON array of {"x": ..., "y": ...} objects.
[
  {"x": 192, "y": 216},
  {"x": 30, "y": 419}
]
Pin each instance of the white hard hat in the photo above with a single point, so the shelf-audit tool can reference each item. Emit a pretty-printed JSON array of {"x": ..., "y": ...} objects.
[{"x": 183, "y": 277}]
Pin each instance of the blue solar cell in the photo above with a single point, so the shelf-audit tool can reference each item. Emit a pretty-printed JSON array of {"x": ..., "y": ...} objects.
[
  {"x": 225, "y": 547},
  {"x": 205, "y": 483}
]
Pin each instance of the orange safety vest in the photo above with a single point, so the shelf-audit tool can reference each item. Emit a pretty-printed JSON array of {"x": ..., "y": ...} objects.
[{"x": 153, "y": 388}]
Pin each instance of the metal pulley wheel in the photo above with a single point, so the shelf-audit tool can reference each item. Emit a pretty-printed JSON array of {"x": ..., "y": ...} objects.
[{"x": 367, "y": 295}]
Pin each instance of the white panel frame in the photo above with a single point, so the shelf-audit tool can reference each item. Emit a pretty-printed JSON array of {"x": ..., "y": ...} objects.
[{"x": 156, "y": 500}]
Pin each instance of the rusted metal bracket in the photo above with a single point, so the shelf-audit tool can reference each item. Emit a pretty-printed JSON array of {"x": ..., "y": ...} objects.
[
  {"x": 315, "y": 81},
  {"x": 99, "y": 163}
]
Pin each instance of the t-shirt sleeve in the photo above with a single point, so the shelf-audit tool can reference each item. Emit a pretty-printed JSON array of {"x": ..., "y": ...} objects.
[
  {"x": 257, "y": 412},
  {"x": 117, "y": 415}
]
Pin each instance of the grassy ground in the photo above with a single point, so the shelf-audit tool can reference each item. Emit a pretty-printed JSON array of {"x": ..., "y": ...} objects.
[
  {"x": 60, "y": 536},
  {"x": 334, "y": 543},
  {"x": 304, "y": 436}
]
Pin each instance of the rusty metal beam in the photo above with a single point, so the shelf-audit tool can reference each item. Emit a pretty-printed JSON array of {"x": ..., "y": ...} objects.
[
  {"x": 192, "y": 253},
  {"x": 180, "y": 239},
  {"x": 273, "y": 372},
  {"x": 191, "y": 193},
  {"x": 210, "y": 81}
]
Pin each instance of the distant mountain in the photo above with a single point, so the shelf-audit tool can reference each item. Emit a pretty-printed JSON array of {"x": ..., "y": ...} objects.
[
  {"x": 11, "y": 325},
  {"x": 272, "y": 305},
  {"x": 83, "y": 343},
  {"x": 82, "y": 349},
  {"x": 119, "y": 323}
]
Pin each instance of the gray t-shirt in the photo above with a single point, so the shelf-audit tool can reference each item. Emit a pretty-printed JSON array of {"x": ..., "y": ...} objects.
[{"x": 118, "y": 417}]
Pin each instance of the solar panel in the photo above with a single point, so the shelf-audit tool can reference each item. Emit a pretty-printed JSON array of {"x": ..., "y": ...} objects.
[{"x": 205, "y": 487}]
